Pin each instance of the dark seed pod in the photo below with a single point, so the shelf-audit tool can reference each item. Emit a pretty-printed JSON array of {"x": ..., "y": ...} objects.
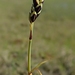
[
  {"x": 38, "y": 9},
  {"x": 32, "y": 17},
  {"x": 35, "y": 2},
  {"x": 35, "y": 10}
]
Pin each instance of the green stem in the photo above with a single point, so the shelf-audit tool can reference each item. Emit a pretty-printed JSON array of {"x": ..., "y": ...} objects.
[{"x": 29, "y": 48}]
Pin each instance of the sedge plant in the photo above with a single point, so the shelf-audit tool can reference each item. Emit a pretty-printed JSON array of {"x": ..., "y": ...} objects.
[{"x": 34, "y": 13}]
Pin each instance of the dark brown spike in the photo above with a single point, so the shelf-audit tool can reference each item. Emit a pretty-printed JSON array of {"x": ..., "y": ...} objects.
[
  {"x": 35, "y": 3},
  {"x": 32, "y": 17},
  {"x": 38, "y": 9}
]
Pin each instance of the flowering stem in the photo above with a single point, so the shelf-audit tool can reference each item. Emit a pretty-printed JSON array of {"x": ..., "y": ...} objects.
[{"x": 29, "y": 48}]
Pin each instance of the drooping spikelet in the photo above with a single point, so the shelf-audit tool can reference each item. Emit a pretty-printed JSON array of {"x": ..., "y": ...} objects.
[{"x": 35, "y": 10}]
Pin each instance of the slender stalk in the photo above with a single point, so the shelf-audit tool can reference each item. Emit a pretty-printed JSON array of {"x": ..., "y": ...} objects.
[
  {"x": 34, "y": 13},
  {"x": 29, "y": 48},
  {"x": 36, "y": 67}
]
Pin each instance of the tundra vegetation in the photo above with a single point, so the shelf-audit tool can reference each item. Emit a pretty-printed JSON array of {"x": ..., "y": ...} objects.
[{"x": 54, "y": 37}]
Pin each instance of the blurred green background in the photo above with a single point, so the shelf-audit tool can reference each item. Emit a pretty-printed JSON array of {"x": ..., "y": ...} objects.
[{"x": 54, "y": 37}]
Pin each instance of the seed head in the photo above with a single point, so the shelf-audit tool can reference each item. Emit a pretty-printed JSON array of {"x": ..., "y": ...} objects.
[{"x": 35, "y": 10}]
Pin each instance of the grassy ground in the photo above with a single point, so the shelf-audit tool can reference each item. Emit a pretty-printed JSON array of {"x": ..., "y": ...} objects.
[{"x": 54, "y": 37}]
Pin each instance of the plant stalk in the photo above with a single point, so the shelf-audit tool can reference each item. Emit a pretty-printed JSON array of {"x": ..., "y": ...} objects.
[{"x": 29, "y": 48}]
